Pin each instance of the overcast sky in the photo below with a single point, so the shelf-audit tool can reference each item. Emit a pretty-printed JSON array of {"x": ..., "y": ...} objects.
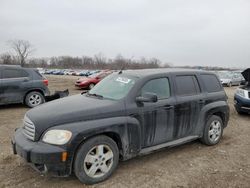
[{"x": 182, "y": 32}]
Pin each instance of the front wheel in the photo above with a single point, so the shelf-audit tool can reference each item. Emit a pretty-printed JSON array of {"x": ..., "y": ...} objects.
[
  {"x": 96, "y": 160},
  {"x": 213, "y": 130},
  {"x": 91, "y": 86}
]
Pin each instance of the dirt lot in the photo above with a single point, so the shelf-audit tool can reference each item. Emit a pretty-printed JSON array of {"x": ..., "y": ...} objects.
[{"x": 190, "y": 165}]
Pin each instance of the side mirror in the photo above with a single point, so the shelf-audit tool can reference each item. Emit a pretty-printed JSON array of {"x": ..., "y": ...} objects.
[{"x": 147, "y": 97}]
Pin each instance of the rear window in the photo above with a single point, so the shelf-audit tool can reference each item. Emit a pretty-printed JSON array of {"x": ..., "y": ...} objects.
[
  {"x": 211, "y": 83},
  {"x": 39, "y": 74},
  {"x": 14, "y": 73},
  {"x": 187, "y": 85}
]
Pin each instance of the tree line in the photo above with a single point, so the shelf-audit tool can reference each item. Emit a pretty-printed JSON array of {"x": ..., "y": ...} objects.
[
  {"x": 84, "y": 62},
  {"x": 22, "y": 50}
]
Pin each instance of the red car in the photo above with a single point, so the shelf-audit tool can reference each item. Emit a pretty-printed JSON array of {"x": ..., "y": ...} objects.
[{"x": 90, "y": 81}]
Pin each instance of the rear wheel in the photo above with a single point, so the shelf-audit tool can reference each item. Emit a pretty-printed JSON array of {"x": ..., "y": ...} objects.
[
  {"x": 96, "y": 160},
  {"x": 34, "y": 99},
  {"x": 213, "y": 130}
]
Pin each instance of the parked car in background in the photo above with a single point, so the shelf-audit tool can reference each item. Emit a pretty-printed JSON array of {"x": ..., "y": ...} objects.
[
  {"x": 242, "y": 95},
  {"x": 22, "y": 85},
  {"x": 90, "y": 81},
  {"x": 127, "y": 114},
  {"x": 69, "y": 72},
  {"x": 238, "y": 74},
  {"x": 229, "y": 79},
  {"x": 84, "y": 73}
]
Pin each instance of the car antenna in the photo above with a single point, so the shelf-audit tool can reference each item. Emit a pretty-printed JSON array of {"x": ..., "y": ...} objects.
[{"x": 120, "y": 72}]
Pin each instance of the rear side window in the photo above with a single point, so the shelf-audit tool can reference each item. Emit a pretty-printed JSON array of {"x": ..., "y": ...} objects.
[
  {"x": 158, "y": 86},
  {"x": 187, "y": 85},
  {"x": 14, "y": 73},
  {"x": 211, "y": 83}
]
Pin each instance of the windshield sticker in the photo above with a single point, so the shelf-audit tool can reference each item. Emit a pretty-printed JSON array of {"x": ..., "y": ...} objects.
[{"x": 123, "y": 80}]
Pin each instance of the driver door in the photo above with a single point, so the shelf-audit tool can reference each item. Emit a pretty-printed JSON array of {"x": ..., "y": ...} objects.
[{"x": 157, "y": 119}]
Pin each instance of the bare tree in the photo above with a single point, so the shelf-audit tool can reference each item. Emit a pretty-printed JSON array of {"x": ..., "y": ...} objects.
[
  {"x": 6, "y": 59},
  {"x": 22, "y": 48}
]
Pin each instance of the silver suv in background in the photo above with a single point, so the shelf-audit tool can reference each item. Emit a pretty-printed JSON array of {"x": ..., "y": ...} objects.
[{"x": 229, "y": 78}]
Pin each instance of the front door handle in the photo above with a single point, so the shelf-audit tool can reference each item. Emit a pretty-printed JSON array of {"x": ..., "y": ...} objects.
[{"x": 167, "y": 107}]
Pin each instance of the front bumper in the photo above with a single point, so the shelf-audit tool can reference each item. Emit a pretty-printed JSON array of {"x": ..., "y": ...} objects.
[
  {"x": 43, "y": 157},
  {"x": 46, "y": 92},
  {"x": 241, "y": 104}
]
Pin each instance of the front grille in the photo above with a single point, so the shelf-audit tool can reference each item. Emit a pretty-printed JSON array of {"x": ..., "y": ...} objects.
[{"x": 28, "y": 128}]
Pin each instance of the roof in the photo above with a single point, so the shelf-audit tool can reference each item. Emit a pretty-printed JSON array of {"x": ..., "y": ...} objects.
[
  {"x": 150, "y": 72},
  {"x": 5, "y": 65}
]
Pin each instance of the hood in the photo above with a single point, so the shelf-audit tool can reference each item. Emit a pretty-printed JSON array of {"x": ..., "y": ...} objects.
[
  {"x": 225, "y": 80},
  {"x": 73, "y": 109},
  {"x": 246, "y": 75}
]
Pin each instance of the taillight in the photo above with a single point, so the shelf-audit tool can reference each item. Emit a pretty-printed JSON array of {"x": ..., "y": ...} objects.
[{"x": 46, "y": 82}]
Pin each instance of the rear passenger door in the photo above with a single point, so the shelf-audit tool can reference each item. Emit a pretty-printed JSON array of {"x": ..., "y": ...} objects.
[
  {"x": 190, "y": 101},
  {"x": 13, "y": 84}
]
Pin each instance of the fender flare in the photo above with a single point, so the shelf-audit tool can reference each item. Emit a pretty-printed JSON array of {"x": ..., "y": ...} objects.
[
  {"x": 126, "y": 128},
  {"x": 209, "y": 109}
]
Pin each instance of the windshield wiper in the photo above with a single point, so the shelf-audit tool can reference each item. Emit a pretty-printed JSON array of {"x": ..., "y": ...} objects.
[{"x": 94, "y": 94}]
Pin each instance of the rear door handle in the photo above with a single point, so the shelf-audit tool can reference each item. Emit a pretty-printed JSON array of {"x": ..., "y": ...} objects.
[
  {"x": 201, "y": 101},
  {"x": 168, "y": 107}
]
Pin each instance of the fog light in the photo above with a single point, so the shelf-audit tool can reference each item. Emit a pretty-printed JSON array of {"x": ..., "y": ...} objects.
[{"x": 64, "y": 156}]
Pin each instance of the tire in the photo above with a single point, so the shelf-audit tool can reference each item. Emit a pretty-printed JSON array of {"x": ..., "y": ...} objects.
[
  {"x": 91, "y": 86},
  {"x": 213, "y": 131},
  {"x": 34, "y": 99},
  {"x": 88, "y": 157},
  {"x": 239, "y": 111}
]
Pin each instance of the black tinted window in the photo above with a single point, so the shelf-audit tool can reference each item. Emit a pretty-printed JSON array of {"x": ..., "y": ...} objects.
[
  {"x": 211, "y": 83},
  {"x": 14, "y": 73},
  {"x": 158, "y": 86},
  {"x": 187, "y": 85}
]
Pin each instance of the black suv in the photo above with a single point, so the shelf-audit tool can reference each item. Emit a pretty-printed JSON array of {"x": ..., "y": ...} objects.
[
  {"x": 22, "y": 85},
  {"x": 127, "y": 114}
]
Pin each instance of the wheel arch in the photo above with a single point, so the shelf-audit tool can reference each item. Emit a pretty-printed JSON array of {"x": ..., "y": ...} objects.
[
  {"x": 219, "y": 108},
  {"x": 32, "y": 90},
  {"x": 121, "y": 134}
]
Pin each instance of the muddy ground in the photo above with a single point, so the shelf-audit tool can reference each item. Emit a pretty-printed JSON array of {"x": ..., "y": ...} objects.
[{"x": 190, "y": 165}]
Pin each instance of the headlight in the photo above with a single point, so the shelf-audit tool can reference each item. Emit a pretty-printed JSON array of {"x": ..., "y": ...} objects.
[
  {"x": 57, "y": 137},
  {"x": 241, "y": 92}
]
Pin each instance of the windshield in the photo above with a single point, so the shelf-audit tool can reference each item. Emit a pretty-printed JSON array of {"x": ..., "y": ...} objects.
[
  {"x": 93, "y": 75},
  {"x": 115, "y": 86}
]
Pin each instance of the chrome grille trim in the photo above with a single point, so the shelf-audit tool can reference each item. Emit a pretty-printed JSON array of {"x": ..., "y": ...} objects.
[{"x": 28, "y": 128}]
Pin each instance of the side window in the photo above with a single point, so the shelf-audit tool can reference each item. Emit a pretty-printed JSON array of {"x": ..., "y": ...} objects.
[
  {"x": 187, "y": 85},
  {"x": 211, "y": 83},
  {"x": 14, "y": 73},
  {"x": 158, "y": 86}
]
